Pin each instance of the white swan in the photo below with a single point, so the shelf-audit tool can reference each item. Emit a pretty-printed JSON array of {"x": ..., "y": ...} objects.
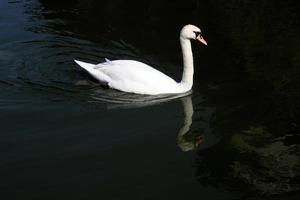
[{"x": 136, "y": 77}]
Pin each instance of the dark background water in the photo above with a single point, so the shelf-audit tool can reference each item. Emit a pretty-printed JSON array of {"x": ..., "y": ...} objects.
[{"x": 64, "y": 137}]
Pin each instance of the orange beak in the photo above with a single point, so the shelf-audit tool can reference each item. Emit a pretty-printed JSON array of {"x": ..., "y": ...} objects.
[{"x": 201, "y": 39}]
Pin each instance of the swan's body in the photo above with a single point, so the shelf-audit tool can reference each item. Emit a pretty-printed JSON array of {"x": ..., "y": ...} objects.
[
  {"x": 133, "y": 76},
  {"x": 136, "y": 77}
]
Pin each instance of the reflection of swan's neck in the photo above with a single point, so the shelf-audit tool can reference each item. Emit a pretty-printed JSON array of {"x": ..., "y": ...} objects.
[
  {"x": 188, "y": 64},
  {"x": 188, "y": 111}
]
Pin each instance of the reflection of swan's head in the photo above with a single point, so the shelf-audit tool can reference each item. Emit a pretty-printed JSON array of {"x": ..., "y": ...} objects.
[{"x": 192, "y": 32}]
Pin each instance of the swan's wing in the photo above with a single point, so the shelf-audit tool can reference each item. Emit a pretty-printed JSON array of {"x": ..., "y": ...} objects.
[{"x": 137, "y": 77}]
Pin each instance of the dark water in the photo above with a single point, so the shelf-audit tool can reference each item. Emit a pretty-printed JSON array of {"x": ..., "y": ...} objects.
[{"x": 64, "y": 136}]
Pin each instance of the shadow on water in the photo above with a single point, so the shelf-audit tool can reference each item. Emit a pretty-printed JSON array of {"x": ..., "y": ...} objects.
[{"x": 239, "y": 128}]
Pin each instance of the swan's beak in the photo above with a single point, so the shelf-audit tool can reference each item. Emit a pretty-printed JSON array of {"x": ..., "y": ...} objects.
[{"x": 201, "y": 39}]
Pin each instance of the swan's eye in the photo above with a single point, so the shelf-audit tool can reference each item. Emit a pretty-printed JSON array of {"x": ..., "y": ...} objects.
[{"x": 197, "y": 33}]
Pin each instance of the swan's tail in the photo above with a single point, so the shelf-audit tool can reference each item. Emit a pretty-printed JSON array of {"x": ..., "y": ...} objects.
[
  {"x": 87, "y": 66},
  {"x": 92, "y": 70}
]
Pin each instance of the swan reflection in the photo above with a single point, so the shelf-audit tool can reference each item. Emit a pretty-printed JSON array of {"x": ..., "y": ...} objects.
[
  {"x": 185, "y": 139},
  {"x": 122, "y": 100}
]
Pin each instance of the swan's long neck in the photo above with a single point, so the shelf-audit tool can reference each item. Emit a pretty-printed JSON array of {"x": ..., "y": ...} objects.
[{"x": 188, "y": 64}]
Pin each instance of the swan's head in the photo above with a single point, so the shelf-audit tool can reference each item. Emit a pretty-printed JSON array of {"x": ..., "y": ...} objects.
[{"x": 192, "y": 32}]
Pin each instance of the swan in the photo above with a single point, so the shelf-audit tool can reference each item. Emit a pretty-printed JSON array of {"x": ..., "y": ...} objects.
[{"x": 136, "y": 77}]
